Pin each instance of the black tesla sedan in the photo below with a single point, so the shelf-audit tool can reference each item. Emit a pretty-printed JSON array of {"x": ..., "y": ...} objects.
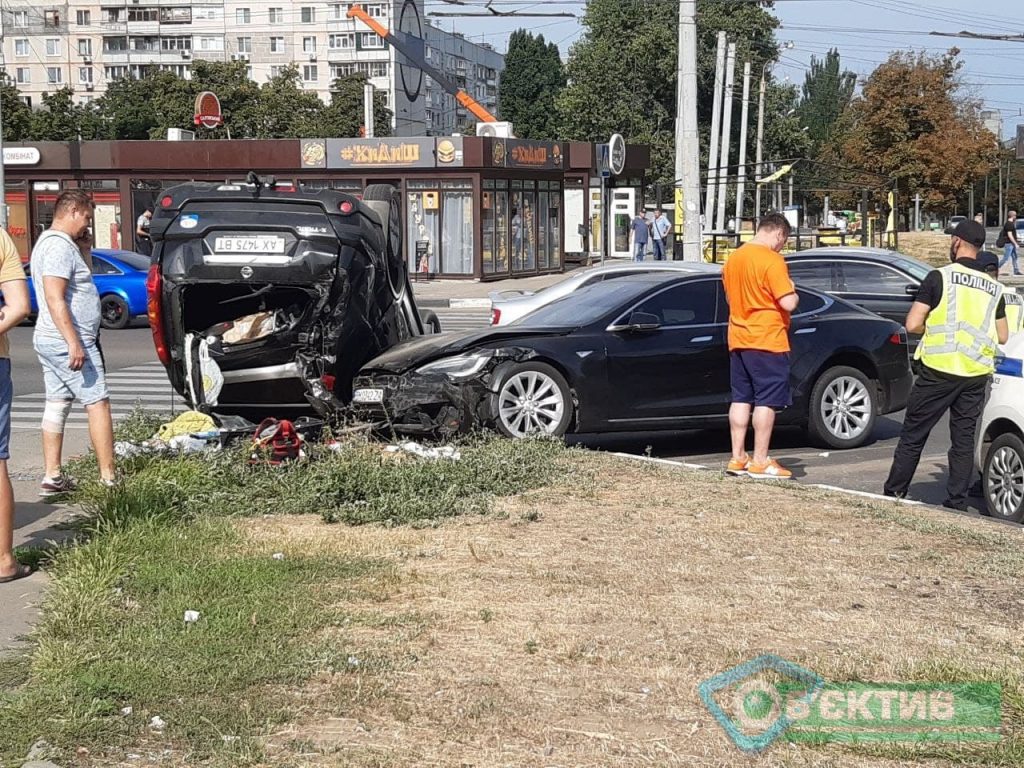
[
  {"x": 639, "y": 353},
  {"x": 881, "y": 281}
]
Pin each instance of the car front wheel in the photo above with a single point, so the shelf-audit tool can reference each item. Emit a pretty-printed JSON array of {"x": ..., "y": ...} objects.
[
  {"x": 1003, "y": 478},
  {"x": 842, "y": 408},
  {"x": 114, "y": 312},
  {"x": 533, "y": 399}
]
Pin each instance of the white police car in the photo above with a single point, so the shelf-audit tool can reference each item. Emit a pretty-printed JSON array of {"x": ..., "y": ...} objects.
[{"x": 1000, "y": 446}]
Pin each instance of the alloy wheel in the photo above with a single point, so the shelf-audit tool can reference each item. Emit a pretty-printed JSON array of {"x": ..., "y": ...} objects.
[
  {"x": 846, "y": 407},
  {"x": 530, "y": 403},
  {"x": 1006, "y": 481}
]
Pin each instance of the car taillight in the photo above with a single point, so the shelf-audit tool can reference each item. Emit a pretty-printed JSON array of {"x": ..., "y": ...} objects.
[
  {"x": 167, "y": 201},
  {"x": 154, "y": 310},
  {"x": 899, "y": 338},
  {"x": 495, "y": 315},
  {"x": 346, "y": 207},
  {"x": 329, "y": 380}
]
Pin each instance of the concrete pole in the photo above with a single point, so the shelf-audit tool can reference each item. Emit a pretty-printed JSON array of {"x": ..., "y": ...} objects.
[
  {"x": 3, "y": 180},
  {"x": 723, "y": 165},
  {"x": 716, "y": 134},
  {"x": 758, "y": 165},
  {"x": 368, "y": 109},
  {"x": 1002, "y": 212},
  {"x": 790, "y": 189},
  {"x": 917, "y": 212},
  {"x": 741, "y": 189},
  {"x": 687, "y": 171}
]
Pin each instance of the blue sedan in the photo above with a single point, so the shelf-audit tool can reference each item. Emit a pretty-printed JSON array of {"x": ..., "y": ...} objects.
[{"x": 120, "y": 277}]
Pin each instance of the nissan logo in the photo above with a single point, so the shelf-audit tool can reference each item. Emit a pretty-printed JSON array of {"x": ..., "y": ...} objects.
[{"x": 246, "y": 272}]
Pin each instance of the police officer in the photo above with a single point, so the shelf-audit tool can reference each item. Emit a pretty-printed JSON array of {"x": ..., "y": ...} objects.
[
  {"x": 1014, "y": 311},
  {"x": 961, "y": 313}
]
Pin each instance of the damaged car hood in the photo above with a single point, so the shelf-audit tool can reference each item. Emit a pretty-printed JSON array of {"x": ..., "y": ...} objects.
[{"x": 422, "y": 350}]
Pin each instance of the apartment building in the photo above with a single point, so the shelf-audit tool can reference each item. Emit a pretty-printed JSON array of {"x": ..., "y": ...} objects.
[{"x": 88, "y": 44}]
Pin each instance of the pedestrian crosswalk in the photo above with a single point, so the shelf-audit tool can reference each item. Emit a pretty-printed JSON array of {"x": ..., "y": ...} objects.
[
  {"x": 463, "y": 319},
  {"x": 139, "y": 386}
]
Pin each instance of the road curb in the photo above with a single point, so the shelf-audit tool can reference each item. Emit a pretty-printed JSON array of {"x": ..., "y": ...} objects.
[{"x": 453, "y": 303}]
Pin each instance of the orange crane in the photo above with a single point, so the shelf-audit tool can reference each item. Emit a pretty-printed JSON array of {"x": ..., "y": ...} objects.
[{"x": 409, "y": 47}]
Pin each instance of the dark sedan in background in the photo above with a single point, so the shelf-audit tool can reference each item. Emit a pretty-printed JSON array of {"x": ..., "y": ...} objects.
[
  {"x": 639, "y": 353},
  {"x": 881, "y": 281}
]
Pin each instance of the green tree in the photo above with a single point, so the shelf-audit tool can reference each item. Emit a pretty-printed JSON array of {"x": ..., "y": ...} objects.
[
  {"x": 284, "y": 109},
  {"x": 17, "y": 116},
  {"x": 59, "y": 118},
  {"x": 828, "y": 90},
  {"x": 532, "y": 79},
  {"x": 913, "y": 124},
  {"x": 622, "y": 73},
  {"x": 343, "y": 118}
]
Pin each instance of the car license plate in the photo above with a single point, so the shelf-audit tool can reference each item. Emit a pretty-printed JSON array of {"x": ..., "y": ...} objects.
[
  {"x": 253, "y": 244},
  {"x": 368, "y": 396}
]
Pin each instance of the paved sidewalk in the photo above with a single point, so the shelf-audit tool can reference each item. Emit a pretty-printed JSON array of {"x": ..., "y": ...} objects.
[
  {"x": 455, "y": 293},
  {"x": 35, "y": 523}
]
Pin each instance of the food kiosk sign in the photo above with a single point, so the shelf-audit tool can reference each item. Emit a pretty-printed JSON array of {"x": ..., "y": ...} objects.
[{"x": 380, "y": 153}]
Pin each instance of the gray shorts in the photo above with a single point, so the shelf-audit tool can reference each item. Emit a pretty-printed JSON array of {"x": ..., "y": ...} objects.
[{"x": 88, "y": 386}]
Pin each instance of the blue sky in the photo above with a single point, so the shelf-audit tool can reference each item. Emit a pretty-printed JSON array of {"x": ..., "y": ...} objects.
[{"x": 865, "y": 31}]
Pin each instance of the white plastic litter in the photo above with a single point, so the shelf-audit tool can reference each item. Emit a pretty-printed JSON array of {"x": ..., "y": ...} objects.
[
  {"x": 127, "y": 711},
  {"x": 441, "y": 452},
  {"x": 824, "y": 455},
  {"x": 157, "y": 723},
  {"x": 278, "y": 555},
  {"x": 191, "y": 617},
  {"x": 353, "y": 661}
]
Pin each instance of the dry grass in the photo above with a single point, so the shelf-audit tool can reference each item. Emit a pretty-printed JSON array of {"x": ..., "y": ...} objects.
[
  {"x": 930, "y": 247},
  {"x": 575, "y": 628}
]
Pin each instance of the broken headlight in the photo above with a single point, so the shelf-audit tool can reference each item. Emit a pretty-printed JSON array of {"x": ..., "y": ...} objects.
[{"x": 460, "y": 367}]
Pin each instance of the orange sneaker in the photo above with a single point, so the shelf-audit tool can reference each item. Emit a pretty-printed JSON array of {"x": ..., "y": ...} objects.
[
  {"x": 771, "y": 470},
  {"x": 738, "y": 467}
]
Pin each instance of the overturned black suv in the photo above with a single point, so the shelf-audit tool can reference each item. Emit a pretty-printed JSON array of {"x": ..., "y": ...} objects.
[{"x": 287, "y": 291}]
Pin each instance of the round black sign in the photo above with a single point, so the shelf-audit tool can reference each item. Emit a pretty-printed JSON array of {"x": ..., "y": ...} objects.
[{"x": 412, "y": 76}]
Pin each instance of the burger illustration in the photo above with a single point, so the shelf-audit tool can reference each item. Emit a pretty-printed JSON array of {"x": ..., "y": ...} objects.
[
  {"x": 313, "y": 154},
  {"x": 446, "y": 151}
]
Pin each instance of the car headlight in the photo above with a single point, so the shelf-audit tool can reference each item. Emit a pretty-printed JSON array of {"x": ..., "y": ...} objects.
[{"x": 459, "y": 367}]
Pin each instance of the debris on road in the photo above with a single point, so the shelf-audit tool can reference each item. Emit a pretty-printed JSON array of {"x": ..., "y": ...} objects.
[{"x": 191, "y": 617}]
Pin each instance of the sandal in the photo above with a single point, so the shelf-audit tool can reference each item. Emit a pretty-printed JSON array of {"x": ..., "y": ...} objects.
[{"x": 22, "y": 572}]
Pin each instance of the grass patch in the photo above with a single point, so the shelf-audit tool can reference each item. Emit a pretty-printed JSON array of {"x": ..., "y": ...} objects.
[{"x": 113, "y": 636}]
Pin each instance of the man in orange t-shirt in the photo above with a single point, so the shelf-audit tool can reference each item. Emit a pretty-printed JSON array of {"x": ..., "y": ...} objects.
[{"x": 761, "y": 297}]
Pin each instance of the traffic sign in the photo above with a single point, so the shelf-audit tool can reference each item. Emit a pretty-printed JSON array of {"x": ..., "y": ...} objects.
[
  {"x": 604, "y": 158},
  {"x": 617, "y": 152}
]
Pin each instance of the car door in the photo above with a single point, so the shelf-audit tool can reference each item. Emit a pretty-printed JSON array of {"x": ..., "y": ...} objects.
[
  {"x": 878, "y": 288},
  {"x": 662, "y": 378},
  {"x": 813, "y": 273},
  {"x": 105, "y": 275}
]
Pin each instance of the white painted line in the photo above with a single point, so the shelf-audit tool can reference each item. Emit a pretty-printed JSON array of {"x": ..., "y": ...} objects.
[
  {"x": 866, "y": 495},
  {"x": 667, "y": 462},
  {"x": 464, "y": 303}
]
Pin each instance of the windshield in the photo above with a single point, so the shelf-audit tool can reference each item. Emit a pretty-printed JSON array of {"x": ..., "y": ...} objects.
[
  {"x": 133, "y": 260},
  {"x": 584, "y": 306}
]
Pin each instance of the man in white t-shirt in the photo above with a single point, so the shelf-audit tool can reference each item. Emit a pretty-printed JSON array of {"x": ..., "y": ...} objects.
[{"x": 660, "y": 228}]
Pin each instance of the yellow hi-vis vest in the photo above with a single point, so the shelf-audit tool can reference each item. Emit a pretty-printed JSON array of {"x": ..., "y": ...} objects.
[
  {"x": 1014, "y": 311},
  {"x": 960, "y": 333}
]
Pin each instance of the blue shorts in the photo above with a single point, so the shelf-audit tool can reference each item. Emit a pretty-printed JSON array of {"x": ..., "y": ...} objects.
[
  {"x": 88, "y": 386},
  {"x": 760, "y": 378},
  {"x": 6, "y": 400}
]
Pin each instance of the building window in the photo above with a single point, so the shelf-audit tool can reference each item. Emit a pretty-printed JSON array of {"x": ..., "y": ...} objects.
[
  {"x": 143, "y": 14},
  {"x": 53, "y": 46},
  {"x": 341, "y": 42},
  {"x": 85, "y": 75},
  {"x": 309, "y": 45},
  {"x": 248, "y": 72},
  {"x": 376, "y": 11},
  {"x": 276, "y": 15},
  {"x": 378, "y": 69},
  {"x": 308, "y": 14},
  {"x": 176, "y": 43},
  {"x": 51, "y": 19},
  {"x": 337, "y": 12},
  {"x": 245, "y": 45},
  {"x": 19, "y": 19},
  {"x": 243, "y": 16},
  {"x": 115, "y": 73},
  {"x": 275, "y": 71},
  {"x": 84, "y": 46},
  {"x": 211, "y": 44},
  {"x": 370, "y": 40},
  {"x": 112, "y": 15},
  {"x": 23, "y": 75},
  {"x": 21, "y": 47},
  {"x": 277, "y": 45},
  {"x": 54, "y": 75},
  {"x": 342, "y": 70},
  {"x": 309, "y": 73},
  {"x": 83, "y": 18},
  {"x": 85, "y": 100}
]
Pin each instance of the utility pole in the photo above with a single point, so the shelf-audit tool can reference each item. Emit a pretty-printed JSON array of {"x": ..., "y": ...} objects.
[
  {"x": 687, "y": 172},
  {"x": 723, "y": 169},
  {"x": 368, "y": 110},
  {"x": 1002, "y": 213},
  {"x": 716, "y": 133},
  {"x": 791, "y": 189},
  {"x": 917, "y": 212},
  {"x": 3, "y": 180},
  {"x": 970, "y": 203},
  {"x": 759, "y": 168},
  {"x": 741, "y": 188}
]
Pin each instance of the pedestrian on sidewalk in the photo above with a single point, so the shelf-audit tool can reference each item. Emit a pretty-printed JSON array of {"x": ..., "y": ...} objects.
[
  {"x": 961, "y": 313},
  {"x": 143, "y": 242},
  {"x": 65, "y": 340},
  {"x": 660, "y": 228},
  {"x": 761, "y": 297},
  {"x": 1008, "y": 241},
  {"x": 15, "y": 308},
  {"x": 641, "y": 231}
]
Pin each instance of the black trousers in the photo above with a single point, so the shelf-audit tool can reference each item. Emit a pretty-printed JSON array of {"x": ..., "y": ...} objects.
[{"x": 931, "y": 397}]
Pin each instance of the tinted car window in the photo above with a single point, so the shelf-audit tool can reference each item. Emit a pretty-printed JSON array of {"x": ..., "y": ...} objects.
[
  {"x": 691, "y": 303},
  {"x": 873, "y": 278},
  {"x": 584, "y": 306},
  {"x": 103, "y": 267},
  {"x": 808, "y": 302},
  {"x": 135, "y": 261},
  {"x": 813, "y": 274},
  {"x": 917, "y": 269}
]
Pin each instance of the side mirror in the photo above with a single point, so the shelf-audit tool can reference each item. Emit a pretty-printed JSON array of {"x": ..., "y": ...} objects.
[
  {"x": 911, "y": 290},
  {"x": 643, "y": 321}
]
